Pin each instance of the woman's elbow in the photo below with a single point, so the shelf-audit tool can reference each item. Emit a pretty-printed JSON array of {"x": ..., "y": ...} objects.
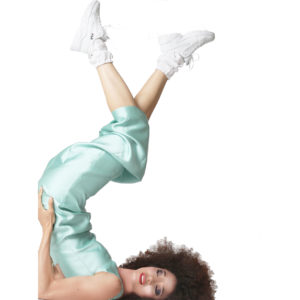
[
  {"x": 41, "y": 296},
  {"x": 44, "y": 293}
]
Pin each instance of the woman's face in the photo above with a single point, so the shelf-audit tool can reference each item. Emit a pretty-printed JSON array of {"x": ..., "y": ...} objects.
[{"x": 155, "y": 283}]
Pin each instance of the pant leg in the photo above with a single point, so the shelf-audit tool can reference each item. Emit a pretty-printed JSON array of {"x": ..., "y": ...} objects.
[
  {"x": 126, "y": 140},
  {"x": 78, "y": 172}
]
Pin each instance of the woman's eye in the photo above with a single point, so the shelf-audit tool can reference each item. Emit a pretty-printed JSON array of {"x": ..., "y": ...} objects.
[
  {"x": 157, "y": 291},
  {"x": 159, "y": 272}
]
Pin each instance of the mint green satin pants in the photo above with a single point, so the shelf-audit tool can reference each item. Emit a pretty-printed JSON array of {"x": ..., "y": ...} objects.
[{"x": 78, "y": 172}]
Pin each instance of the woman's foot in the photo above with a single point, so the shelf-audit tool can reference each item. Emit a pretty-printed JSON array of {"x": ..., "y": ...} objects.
[
  {"x": 90, "y": 29},
  {"x": 91, "y": 36},
  {"x": 178, "y": 49}
]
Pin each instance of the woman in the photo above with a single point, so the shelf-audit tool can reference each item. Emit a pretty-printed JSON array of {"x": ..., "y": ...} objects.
[{"x": 72, "y": 264}]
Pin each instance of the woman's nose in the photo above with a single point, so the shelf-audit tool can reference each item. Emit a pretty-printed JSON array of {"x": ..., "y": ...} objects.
[{"x": 149, "y": 279}]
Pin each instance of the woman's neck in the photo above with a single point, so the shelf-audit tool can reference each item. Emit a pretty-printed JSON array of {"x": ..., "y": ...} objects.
[{"x": 128, "y": 279}]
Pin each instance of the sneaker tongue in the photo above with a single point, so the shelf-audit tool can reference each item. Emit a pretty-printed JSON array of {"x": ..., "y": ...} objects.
[
  {"x": 99, "y": 32},
  {"x": 100, "y": 35}
]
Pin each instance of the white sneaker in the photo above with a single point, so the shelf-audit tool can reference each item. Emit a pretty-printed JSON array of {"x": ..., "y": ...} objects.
[
  {"x": 90, "y": 29},
  {"x": 168, "y": 41},
  {"x": 185, "y": 45},
  {"x": 178, "y": 49}
]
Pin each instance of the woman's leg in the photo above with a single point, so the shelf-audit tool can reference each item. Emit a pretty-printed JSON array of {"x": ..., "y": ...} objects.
[
  {"x": 176, "y": 50},
  {"x": 115, "y": 89},
  {"x": 118, "y": 94},
  {"x": 149, "y": 95}
]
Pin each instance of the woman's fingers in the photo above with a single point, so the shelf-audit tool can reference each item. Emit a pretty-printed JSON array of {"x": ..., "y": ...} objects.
[
  {"x": 45, "y": 216},
  {"x": 51, "y": 209},
  {"x": 41, "y": 206},
  {"x": 50, "y": 204},
  {"x": 40, "y": 197},
  {"x": 50, "y": 201}
]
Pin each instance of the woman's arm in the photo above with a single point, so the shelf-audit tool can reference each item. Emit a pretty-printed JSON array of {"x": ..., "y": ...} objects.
[
  {"x": 45, "y": 269},
  {"x": 102, "y": 286}
]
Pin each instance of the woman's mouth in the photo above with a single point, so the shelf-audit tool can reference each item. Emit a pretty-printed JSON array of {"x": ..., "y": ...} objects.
[{"x": 142, "y": 278}]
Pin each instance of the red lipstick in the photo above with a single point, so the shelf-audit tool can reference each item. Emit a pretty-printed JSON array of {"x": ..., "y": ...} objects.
[{"x": 142, "y": 278}]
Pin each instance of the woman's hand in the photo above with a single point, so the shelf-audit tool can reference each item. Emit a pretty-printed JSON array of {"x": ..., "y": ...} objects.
[{"x": 46, "y": 216}]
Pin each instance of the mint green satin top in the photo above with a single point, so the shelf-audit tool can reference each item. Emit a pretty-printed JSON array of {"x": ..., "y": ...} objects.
[{"x": 80, "y": 171}]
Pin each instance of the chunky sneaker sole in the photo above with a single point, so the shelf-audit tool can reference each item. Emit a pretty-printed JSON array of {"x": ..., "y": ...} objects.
[
  {"x": 90, "y": 28},
  {"x": 185, "y": 45}
]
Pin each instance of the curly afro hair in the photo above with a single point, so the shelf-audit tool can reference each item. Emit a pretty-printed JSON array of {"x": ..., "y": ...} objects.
[{"x": 194, "y": 277}]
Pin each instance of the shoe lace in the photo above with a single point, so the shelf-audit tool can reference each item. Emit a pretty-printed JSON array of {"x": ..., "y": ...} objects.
[{"x": 191, "y": 61}]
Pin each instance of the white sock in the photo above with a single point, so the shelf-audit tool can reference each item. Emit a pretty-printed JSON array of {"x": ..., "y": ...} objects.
[
  {"x": 98, "y": 53},
  {"x": 169, "y": 63}
]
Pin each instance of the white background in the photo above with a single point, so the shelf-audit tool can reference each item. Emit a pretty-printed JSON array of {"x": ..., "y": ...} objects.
[{"x": 223, "y": 165}]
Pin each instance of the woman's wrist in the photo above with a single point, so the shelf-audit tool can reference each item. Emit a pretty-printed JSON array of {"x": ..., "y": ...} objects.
[
  {"x": 47, "y": 229},
  {"x": 46, "y": 237}
]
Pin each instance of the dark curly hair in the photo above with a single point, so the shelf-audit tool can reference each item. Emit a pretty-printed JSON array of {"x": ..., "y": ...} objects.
[{"x": 194, "y": 277}]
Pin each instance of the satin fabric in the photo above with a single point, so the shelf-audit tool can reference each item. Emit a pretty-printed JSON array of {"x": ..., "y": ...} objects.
[{"x": 78, "y": 172}]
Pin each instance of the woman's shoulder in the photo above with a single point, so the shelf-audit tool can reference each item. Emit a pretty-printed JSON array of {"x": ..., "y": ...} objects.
[{"x": 111, "y": 281}]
